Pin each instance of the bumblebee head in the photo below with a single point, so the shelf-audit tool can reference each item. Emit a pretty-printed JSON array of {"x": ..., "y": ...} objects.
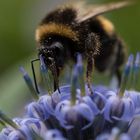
[
  {"x": 52, "y": 51},
  {"x": 56, "y": 41}
]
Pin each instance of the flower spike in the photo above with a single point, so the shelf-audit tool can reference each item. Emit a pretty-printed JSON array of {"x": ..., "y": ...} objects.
[
  {"x": 46, "y": 75},
  {"x": 29, "y": 83},
  {"x": 74, "y": 82},
  {"x": 126, "y": 74},
  {"x": 77, "y": 78},
  {"x": 136, "y": 69},
  {"x": 80, "y": 69}
]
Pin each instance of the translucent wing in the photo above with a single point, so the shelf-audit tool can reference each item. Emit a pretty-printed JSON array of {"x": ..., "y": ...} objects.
[{"x": 92, "y": 11}]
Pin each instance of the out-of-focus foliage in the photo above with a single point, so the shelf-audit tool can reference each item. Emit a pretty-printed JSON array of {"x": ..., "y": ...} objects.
[
  {"x": 127, "y": 21},
  {"x": 18, "y": 20}
]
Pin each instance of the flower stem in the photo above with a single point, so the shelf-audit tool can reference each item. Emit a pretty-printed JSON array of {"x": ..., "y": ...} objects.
[
  {"x": 2, "y": 123},
  {"x": 7, "y": 120}
]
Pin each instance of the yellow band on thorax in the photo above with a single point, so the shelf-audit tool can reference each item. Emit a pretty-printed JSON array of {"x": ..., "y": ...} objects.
[{"x": 58, "y": 29}]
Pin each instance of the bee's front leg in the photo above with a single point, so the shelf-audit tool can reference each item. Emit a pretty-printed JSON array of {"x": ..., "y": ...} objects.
[{"x": 55, "y": 73}]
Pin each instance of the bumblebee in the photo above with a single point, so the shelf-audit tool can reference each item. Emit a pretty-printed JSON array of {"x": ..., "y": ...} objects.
[{"x": 80, "y": 28}]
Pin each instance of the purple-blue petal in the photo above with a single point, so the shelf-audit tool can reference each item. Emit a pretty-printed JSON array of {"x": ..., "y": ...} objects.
[
  {"x": 91, "y": 104},
  {"x": 129, "y": 109},
  {"x": 64, "y": 95},
  {"x": 47, "y": 104},
  {"x": 34, "y": 124},
  {"x": 135, "y": 97},
  {"x": 3, "y": 136},
  {"x": 85, "y": 111},
  {"x": 16, "y": 135},
  {"x": 7, "y": 131},
  {"x": 108, "y": 107},
  {"x": 60, "y": 111},
  {"x": 34, "y": 110},
  {"x": 99, "y": 99}
]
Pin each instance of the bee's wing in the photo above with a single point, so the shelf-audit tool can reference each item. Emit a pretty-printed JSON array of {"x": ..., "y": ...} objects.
[{"x": 92, "y": 11}]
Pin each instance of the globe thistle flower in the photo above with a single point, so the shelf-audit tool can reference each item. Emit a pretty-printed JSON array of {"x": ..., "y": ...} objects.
[{"x": 73, "y": 112}]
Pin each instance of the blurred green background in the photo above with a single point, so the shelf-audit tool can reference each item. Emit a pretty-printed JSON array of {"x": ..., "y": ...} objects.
[{"x": 18, "y": 20}]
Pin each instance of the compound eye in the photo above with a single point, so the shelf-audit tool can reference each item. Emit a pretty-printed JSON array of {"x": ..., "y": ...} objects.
[{"x": 47, "y": 41}]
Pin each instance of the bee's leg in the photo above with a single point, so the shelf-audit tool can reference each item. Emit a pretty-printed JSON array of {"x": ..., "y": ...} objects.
[
  {"x": 92, "y": 47},
  {"x": 56, "y": 84},
  {"x": 56, "y": 80},
  {"x": 55, "y": 74}
]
